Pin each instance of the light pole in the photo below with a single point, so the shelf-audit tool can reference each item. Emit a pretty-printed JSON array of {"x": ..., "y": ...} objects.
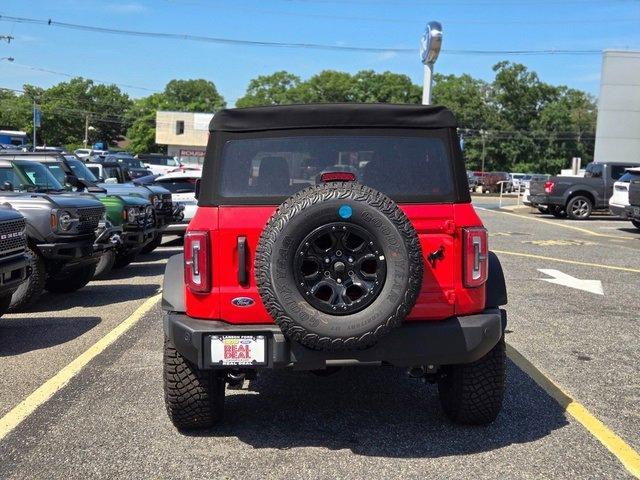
[{"x": 430, "y": 44}]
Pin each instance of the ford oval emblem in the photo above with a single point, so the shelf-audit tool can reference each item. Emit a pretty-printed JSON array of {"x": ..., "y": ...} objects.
[{"x": 243, "y": 301}]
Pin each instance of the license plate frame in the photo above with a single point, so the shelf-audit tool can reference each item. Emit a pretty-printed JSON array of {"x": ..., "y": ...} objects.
[{"x": 238, "y": 350}]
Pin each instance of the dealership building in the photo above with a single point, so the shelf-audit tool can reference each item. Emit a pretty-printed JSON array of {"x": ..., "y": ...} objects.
[
  {"x": 185, "y": 134},
  {"x": 618, "y": 127}
]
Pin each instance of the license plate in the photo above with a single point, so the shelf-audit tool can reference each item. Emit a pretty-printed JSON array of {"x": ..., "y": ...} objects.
[{"x": 238, "y": 349}]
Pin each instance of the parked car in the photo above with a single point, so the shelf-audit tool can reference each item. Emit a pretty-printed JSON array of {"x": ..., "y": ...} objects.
[
  {"x": 578, "y": 197},
  {"x": 287, "y": 273},
  {"x": 61, "y": 237},
  {"x": 516, "y": 181},
  {"x": 158, "y": 163},
  {"x": 536, "y": 177},
  {"x": 131, "y": 219},
  {"x": 619, "y": 201},
  {"x": 120, "y": 183},
  {"x": 135, "y": 168},
  {"x": 182, "y": 186},
  {"x": 494, "y": 182},
  {"x": 83, "y": 153},
  {"x": 14, "y": 264},
  {"x": 633, "y": 209}
]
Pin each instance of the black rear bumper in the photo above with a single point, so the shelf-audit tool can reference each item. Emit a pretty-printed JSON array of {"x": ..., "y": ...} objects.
[
  {"x": 13, "y": 271},
  {"x": 452, "y": 341}
]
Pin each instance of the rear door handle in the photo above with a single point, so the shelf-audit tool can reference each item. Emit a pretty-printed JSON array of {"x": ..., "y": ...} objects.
[{"x": 243, "y": 275}]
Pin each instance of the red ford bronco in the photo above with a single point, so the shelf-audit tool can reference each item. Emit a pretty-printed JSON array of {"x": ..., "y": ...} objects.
[{"x": 334, "y": 235}]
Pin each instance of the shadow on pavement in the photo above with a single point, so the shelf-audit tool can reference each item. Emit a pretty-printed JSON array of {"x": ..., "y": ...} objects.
[
  {"x": 21, "y": 335},
  {"x": 378, "y": 412},
  {"x": 95, "y": 294}
]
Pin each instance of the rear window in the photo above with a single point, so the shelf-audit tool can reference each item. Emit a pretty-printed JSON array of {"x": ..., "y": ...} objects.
[
  {"x": 407, "y": 168},
  {"x": 179, "y": 185},
  {"x": 630, "y": 177}
]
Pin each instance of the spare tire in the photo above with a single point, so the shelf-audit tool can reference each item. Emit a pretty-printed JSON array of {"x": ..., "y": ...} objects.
[{"x": 338, "y": 265}]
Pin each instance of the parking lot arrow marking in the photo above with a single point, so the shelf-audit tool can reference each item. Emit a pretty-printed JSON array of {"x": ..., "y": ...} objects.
[{"x": 560, "y": 278}]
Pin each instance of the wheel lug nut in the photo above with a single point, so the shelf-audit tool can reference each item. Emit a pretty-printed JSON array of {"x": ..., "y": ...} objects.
[
  {"x": 339, "y": 253},
  {"x": 350, "y": 259},
  {"x": 327, "y": 273},
  {"x": 327, "y": 260},
  {"x": 351, "y": 273},
  {"x": 339, "y": 280}
]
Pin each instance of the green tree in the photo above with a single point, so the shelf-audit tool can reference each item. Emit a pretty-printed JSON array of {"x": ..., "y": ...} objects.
[
  {"x": 279, "y": 88},
  {"x": 184, "y": 95}
]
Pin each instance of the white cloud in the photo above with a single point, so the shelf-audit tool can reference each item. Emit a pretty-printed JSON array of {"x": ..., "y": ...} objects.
[{"x": 125, "y": 7}]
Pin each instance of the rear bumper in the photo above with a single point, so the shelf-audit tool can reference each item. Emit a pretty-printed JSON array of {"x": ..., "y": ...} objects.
[
  {"x": 618, "y": 210},
  {"x": 452, "y": 341},
  {"x": 13, "y": 271},
  {"x": 632, "y": 212},
  {"x": 537, "y": 200}
]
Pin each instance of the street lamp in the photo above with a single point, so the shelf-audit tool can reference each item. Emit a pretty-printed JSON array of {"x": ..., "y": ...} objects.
[{"x": 430, "y": 44}]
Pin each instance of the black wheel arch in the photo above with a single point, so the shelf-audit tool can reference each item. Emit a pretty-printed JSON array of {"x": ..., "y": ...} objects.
[
  {"x": 173, "y": 285},
  {"x": 580, "y": 192},
  {"x": 496, "y": 289}
]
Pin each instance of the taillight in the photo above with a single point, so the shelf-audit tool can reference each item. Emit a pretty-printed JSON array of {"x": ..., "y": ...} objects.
[
  {"x": 476, "y": 257},
  {"x": 548, "y": 186},
  {"x": 197, "y": 268}
]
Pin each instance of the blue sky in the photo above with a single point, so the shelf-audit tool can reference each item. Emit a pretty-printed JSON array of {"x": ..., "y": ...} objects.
[{"x": 150, "y": 62}]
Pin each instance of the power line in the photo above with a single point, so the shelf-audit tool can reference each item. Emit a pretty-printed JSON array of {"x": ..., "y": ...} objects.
[
  {"x": 256, "y": 43},
  {"x": 69, "y": 75}
]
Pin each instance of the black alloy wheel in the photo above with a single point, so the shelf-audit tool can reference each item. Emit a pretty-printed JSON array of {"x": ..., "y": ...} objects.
[{"x": 340, "y": 268}]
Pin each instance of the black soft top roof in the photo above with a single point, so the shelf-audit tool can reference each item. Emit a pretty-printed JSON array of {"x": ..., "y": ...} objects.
[{"x": 332, "y": 115}]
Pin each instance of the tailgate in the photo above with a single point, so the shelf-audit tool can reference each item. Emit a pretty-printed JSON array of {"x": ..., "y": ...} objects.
[{"x": 245, "y": 224}]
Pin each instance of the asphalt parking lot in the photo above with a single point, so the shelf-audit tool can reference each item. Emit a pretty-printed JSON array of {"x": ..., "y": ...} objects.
[{"x": 108, "y": 421}]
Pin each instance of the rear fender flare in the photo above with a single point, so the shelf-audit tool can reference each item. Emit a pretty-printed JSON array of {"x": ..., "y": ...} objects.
[
  {"x": 173, "y": 285},
  {"x": 496, "y": 288}
]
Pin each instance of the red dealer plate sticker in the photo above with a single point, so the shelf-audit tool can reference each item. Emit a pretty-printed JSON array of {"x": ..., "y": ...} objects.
[{"x": 238, "y": 350}]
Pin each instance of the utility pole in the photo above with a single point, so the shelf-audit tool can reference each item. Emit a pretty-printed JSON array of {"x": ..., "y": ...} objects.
[
  {"x": 430, "y": 44},
  {"x": 86, "y": 130},
  {"x": 482, "y": 134},
  {"x": 35, "y": 124}
]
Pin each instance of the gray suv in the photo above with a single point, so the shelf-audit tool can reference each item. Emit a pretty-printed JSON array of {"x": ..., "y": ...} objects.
[
  {"x": 14, "y": 265},
  {"x": 60, "y": 249}
]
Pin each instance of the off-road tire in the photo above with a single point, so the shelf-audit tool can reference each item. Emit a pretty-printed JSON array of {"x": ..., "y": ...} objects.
[
  {"x": 571, "y": 205},
  {"x": 71, "y": 280},
  {"x": 153, "y": 244},
  {"x": 124, "y": 259},
  {"x": 472, "y": 393},
  {"x": 194, "y": 398},
  {"x": 32, "y": 287},
  {"x": 104, "y": 266},
  {"x": 636, "y": 223},
  {"x": 5, "y": 301},
  {"x": 297, "y": 217}
]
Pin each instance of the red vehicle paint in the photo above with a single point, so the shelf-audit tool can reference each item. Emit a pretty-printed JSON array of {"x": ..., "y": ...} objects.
[{"x": 442, "y": 295}]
